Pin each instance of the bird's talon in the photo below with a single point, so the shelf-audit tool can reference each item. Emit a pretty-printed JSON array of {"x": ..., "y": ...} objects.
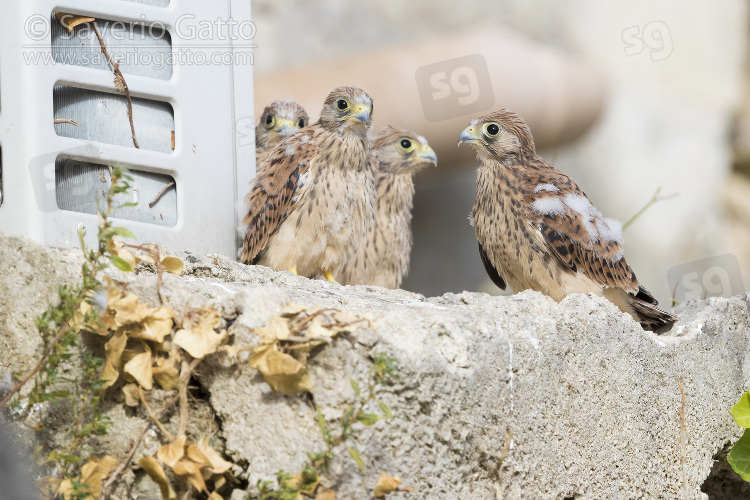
[
  {"x": 293, "y": 270},
  {"x": 328, "y": 276}
]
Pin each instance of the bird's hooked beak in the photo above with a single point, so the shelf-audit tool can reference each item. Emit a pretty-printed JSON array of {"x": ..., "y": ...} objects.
[
  {"x": 361, "y": 113},
  {"x": 470, "y": 134},
  {"x": 286, "y": 126},
  {"x": 427, "y": 154}
]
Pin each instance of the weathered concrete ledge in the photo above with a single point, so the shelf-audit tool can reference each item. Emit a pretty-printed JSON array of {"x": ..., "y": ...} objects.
[{"x": 590, "y": 402}]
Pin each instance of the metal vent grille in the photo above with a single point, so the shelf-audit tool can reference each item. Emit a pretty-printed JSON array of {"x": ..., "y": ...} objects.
[
  {"x": 103, "y": 117},
  {"x": 140, "y": 49},
  {"x": 83, "y": 186}
]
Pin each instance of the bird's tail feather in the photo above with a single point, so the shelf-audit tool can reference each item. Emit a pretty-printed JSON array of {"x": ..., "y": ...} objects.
[{"x": 651, "y": 317}]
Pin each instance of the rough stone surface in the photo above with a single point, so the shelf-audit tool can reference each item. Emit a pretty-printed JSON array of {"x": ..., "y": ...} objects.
[{"x": 589, "y": 401}]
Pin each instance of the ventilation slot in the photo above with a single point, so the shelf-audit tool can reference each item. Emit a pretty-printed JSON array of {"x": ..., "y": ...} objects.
[
  {"x": 141, "y": 49},
  {"x": 103, "y": 117},
  {"x": 80, "y": 186}
]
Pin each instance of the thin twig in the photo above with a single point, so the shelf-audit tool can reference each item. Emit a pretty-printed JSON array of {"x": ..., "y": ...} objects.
[
  {"x": 151, "y": 415},
  {"x": 655, "y": 198},
  {"x": 65, "y": 121},
  {"x": 17, "y": 387},
  {"x": 113, "y": 477},
  {"x": 161, "y": 193},
  {"x": 682, "y": 441},
  {"x": 118, "y": 74},
  {"x": 185, "y": 371}
]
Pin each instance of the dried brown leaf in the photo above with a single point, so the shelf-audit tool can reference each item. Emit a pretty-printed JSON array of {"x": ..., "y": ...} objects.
[
  {"x": 155, "y": 325},
  {"x": 132, "y": 398},
  {"x": 218, "y": 464},
  {"x": 386, "y": 484},
  {"x": 192, "y": 471},
  {"x": 195, "y": 454},
  {"x": 281, "y": 371},
  {"x": 276, "y": 329},
  {"x": 156, "y": 472},
  {"x": 113, "y": 358},
  {"x": 141, "y": 369},
  {"x": 173, "y": 265},
  {"x": 167, "y": 372},
  {"x": 173, "y": 452},
  {"x": 198, "y": 336},
  {"x": 70, "y": 21},
  {"x": 95, "y": 471}
]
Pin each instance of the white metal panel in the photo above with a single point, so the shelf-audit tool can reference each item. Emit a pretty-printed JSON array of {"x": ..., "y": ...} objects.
[{"x": 208, "y": 100}]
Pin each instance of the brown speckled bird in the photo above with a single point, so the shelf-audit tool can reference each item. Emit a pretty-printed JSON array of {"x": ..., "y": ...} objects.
[
  {"x": 313, "y": 199},
  {"x": 538, "y": 230},
  {"x": 280, "y": 119},
  {"x": 384, "y": 259}
]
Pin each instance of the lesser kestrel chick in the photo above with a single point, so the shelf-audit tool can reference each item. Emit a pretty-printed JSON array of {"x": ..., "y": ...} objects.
[
  {"x": 313, "y": 199},
  {"x": 280, "y": 119},
  {"x": 538, "y": 230},
  {"x": 384, "y": 259}
]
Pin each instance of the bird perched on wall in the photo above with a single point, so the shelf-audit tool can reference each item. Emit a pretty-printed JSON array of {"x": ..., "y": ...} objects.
[
  {"x": 538, "y": 230},
  {"x": 313, "y": 199},
  {"x": 280, "y": 119},
  {"x": 383, "y": 260}
]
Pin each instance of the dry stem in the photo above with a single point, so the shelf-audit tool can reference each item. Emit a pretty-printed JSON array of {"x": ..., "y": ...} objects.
[{"x": 118, "y": 75}]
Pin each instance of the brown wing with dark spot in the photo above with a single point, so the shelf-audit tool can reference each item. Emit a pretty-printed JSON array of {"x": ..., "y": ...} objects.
[
  {"x": 491, "y": 271},
  {"x": 567, "y": 235},
  {"x": 277, "y": 189}
]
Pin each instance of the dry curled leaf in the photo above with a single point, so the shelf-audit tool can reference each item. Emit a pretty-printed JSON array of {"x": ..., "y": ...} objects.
[
  {"x": 70, "y": 21},
  {"x": 167, "y": 372},
  {"x": 218, "y": 465},
  {"x": 96, "y": 471},
  {"x": 281, "y": 371},
  {"x": 155, "y": 325},
  {"x": 113, "y": 358},
  {"x": 132, "y": 398},
  {"x": 172, "y": 265},
  {"x": 276, "y": 329},
  {"x": 140, "y": 367},
  {"x": 173, "y": 452},
  {"x": 386, "y": 484},
  {"x": 156, "y": 472},
  {"x": 198, "y": 336},
  {"x": 192, "y": 471}
]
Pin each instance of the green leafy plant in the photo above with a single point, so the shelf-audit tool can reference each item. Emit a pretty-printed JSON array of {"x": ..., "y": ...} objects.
[
  {"x": 739, "y": 455},
  {"x": 289, "y": 487},
  {"x": 60, "y": 328}
]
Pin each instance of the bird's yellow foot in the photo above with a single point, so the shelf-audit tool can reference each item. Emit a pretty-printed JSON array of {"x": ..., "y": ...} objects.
[
  {"x": 328, "y": 276},
  {"x": 292, "y": 270}
]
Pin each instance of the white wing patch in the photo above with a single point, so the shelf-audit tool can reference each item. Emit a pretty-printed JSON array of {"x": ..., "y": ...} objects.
[
  {"x": 548, "y": 206},
  {"x": 290, "y": 150},
  {"x": 598, "y": 226}
]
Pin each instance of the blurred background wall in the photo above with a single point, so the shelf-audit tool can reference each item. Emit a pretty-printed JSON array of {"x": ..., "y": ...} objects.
[{"x": 626, "y": 97}]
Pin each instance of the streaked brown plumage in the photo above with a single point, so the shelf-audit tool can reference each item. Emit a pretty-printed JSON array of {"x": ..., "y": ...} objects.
[
  {"x": 538, "y": 230},
  {"x": 383, "y": 260},
  {"x": 280, "y": 119},
  {"x": 313, "y": 199}
]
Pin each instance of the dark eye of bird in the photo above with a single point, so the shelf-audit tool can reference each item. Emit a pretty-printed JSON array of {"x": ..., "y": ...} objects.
[
  {"x": 405, "y": 143},
  {"x": 342, "y": 104},
  {"x": 493, "y": 129},
  {"x": 269, "y": 119},
  {"x": 301, "y": 123}
]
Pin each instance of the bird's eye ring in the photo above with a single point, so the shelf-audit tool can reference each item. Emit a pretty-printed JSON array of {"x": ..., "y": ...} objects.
[
  {"x": 405, "y": 144},
  {"x": 301, "y": 123},
  {"x": 270, "y": 120},
  {"x": 342, "y": 104},
  {"x": 491, "y": 129}
]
